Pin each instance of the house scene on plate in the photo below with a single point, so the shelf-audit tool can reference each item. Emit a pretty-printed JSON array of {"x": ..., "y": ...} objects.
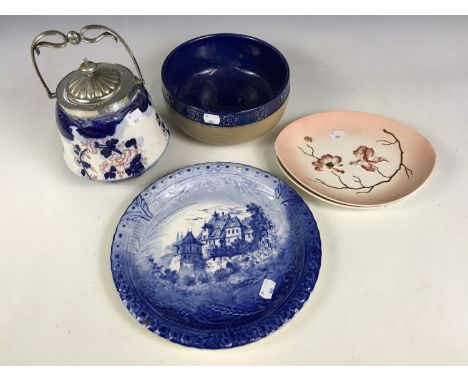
[{"x": 222, "y": 245}]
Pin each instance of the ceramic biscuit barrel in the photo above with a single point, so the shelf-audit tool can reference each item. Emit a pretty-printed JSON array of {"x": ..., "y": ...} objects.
[{"x": 109, "y": 128}]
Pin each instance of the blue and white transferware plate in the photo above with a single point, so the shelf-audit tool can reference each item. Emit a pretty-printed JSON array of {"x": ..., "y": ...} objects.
[{"x": 216, "y": 255}]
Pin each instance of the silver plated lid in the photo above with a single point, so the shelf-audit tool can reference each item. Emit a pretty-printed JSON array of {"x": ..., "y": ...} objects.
[
  {"x": 96, "y": 89},
  {"x": 93, "y": 83}
]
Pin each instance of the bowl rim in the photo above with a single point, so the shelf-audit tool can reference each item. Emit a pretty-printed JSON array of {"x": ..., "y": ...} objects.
[{"x": 245, "y": 116}]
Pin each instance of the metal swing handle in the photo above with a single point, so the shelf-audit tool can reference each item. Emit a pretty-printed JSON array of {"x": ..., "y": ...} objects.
[{"x": 75, "y": 38}]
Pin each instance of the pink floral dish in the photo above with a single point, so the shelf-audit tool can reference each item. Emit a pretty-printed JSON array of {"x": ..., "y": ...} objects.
[
  {"x": 300, "y": 186},
  {"x": 355, "y": 159}
]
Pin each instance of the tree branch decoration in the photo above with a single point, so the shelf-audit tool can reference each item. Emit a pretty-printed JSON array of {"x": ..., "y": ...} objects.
[{"x": 365, "y": 159}]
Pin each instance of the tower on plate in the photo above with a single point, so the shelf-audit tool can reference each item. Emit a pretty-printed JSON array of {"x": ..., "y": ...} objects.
[{"x": 190, "y": 251}]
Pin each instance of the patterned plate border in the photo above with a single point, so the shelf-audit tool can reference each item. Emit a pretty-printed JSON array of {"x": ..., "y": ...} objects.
[{"x": 226, "y": 337}]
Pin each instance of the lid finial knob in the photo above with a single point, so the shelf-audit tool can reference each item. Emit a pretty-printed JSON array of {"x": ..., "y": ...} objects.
[{"x": 87, "y": 67}]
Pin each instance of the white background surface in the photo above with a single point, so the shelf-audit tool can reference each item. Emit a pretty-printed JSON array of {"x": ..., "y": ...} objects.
[{"x": 393, "y": 287}]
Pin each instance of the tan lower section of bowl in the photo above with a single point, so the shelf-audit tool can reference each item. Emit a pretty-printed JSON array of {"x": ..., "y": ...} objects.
[{"x": 225, "y": 135}]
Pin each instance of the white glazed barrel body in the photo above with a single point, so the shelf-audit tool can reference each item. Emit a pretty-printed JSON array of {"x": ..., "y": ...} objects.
[{"x": 117, "y": 146}]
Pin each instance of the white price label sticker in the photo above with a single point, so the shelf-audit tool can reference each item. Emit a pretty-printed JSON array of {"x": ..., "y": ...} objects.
[
  {"x": 211, "y": 118},
  {"x": 134, "y": 116},
  {"x": 336, "y": 134},
  {"x": 267, "y": 289}
]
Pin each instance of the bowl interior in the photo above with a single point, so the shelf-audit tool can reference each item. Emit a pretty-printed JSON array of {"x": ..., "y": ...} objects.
[{"x": 225, "y": 73}]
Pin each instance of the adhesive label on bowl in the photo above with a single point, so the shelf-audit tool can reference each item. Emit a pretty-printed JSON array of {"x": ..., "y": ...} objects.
[
  {"x": 267, "y": 289},
  {"x": 211, "y": 118}
]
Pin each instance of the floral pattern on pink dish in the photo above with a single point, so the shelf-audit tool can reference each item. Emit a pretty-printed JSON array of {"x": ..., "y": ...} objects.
[
  {"x": 331, "y": 162},
  {"x": 366, "y": 158},
  {"x": 374, "y": 161}
]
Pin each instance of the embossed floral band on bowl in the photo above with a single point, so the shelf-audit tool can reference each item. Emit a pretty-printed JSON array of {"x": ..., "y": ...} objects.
[{"x": 225, "y": 88}]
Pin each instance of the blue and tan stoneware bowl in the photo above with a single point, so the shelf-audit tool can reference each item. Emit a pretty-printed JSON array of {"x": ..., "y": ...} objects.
[{"x": 225, "y": 88}]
